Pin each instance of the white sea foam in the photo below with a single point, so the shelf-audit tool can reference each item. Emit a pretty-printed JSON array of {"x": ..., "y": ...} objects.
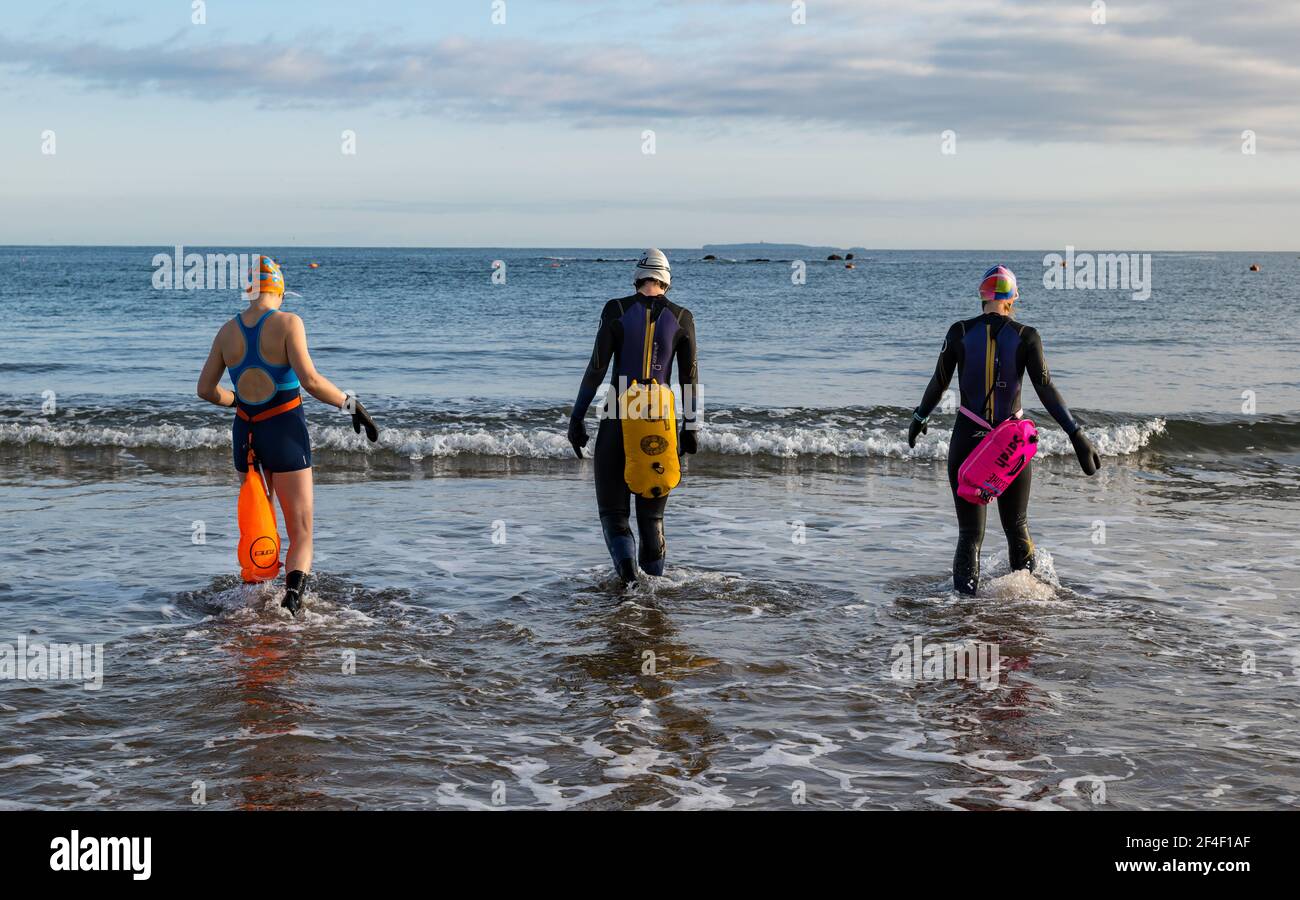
[
  {"x": 786, "y": 442},
  {"x": 790, "y": 442},
  {"x": 169, "y": 437},
  {"x": 27, "y": 759}
]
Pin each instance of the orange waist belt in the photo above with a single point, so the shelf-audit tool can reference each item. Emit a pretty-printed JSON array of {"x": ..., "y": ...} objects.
[{"x": 270, "y": 413}]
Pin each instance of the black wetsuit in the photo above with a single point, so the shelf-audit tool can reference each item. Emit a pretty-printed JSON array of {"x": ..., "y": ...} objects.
[
  {"x": 992, "y": 353},
  {"x": 622, "y": 337}
]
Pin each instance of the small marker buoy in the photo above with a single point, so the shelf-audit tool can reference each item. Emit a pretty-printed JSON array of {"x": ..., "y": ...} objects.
[
  {"x": 848, "y": 265},
  {"x": 313, "y": 265},
  {"x": 1254, "y": 267}
]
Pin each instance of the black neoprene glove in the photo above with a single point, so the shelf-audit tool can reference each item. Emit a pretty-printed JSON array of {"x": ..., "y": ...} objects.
[
  {"x": 361, "y": 418},
  {"x": 688, "y": 442},
  {"x": 918, "y": 426},
  {"x": 578, "y": 436},
  {"x": 1089, "y": 461}
]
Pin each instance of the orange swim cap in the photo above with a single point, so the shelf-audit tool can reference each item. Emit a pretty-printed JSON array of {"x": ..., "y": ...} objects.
[{"x": 265, "y": 277}]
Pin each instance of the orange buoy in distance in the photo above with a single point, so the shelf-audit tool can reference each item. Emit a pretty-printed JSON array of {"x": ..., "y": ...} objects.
[
  {"x": 313, "y": 265},
  {"x": 259, "y": 538}
]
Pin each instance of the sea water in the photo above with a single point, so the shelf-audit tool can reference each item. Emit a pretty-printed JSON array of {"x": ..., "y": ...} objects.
[{"x": 465, "y": 644}]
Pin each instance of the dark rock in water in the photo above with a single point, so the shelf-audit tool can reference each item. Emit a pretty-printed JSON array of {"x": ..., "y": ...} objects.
[
  {"x": 848, "y": 255},
  {"x": 834, "y": 257},
  {"x": 709, "y": 256}
]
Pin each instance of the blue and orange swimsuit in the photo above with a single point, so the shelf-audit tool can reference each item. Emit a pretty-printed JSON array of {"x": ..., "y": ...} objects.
[{"x": 276, "y": 427}]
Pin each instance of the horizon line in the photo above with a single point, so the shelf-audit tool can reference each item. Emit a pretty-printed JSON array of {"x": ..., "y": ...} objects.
[{"x": 133, "y": 246}]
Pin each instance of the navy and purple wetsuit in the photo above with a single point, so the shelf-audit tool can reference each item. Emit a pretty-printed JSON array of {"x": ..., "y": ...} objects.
[
  {"x": 991, "y": 353},
  {"x": 622, "y": 337}
]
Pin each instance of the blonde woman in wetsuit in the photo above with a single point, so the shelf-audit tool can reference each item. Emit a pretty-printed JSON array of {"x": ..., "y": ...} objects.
[{"x": 265, "y": 350}]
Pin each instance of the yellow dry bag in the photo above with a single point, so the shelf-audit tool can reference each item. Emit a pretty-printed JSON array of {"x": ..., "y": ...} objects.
[
  {"x": 259, "y": 538},
  {"x": 651, "y": 467}
]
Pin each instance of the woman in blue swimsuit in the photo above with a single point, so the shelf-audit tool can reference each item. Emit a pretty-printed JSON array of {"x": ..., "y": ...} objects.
[{"x": 266, "y": 352}]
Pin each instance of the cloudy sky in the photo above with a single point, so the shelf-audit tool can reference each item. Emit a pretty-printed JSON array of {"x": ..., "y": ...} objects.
[{"x": 1124, "y": 135}]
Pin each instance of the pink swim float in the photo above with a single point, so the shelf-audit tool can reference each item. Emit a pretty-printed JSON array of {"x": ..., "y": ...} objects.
[{"x": 999, "y": 458}]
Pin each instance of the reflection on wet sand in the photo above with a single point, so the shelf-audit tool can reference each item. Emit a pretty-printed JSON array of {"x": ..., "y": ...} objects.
[
  {"x": 272, "y": 774},
  {"x": 640, "y": 662}
]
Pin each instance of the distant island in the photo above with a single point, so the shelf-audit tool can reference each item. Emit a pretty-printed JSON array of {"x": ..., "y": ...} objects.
[{"x": 769, "y": 251}]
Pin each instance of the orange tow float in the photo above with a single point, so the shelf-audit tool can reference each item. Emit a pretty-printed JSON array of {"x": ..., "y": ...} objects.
[{"x": 259, "y": 537}]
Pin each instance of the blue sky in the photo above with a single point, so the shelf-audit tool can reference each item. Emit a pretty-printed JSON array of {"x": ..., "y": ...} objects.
[{"x": 1120, "y": 135}]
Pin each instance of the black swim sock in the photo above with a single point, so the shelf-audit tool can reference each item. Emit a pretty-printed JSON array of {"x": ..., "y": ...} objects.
[
  {"x": 295, "y": 586},
  {"x": 966, "y": 568},
  {"x": 627, "y": 571}
]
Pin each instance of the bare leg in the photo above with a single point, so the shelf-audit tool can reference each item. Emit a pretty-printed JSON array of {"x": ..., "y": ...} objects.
[{"x": 294, "y": 490}]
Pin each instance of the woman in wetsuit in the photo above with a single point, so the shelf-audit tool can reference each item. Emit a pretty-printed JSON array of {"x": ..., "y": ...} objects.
[
  {"x": 991, "y": 353},
  {"x": 266, "y": 352},
  {"x": 644, "y": 334}
]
